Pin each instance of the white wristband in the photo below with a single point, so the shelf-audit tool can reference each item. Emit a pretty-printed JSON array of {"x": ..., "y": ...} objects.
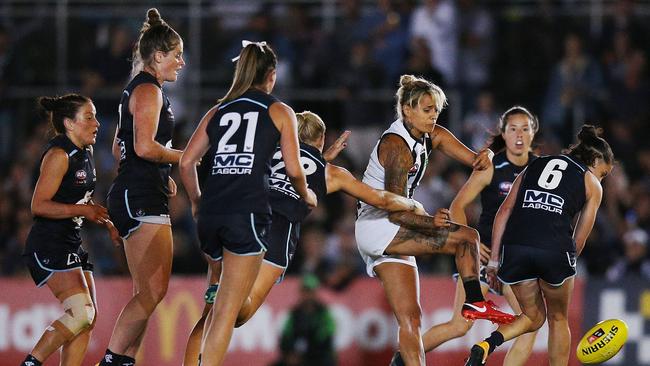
[{"x": 493, "y": 263}]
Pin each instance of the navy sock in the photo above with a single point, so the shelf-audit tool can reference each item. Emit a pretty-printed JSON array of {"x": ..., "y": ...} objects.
[
  {"x": 397, "y": 360},
  {"x": 127, "y": 361},
  {"x": 494, "y": 340},
  {"x": 473, "y": 291},
  {"x": 31, "y": 361},
  {"x": 111, "y": 359}
]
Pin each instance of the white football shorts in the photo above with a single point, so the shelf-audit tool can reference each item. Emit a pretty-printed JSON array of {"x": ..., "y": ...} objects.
[{"x": 373, "y": 232}]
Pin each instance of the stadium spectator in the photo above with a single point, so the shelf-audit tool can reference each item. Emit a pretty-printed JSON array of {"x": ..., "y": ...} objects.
[{"x": 308, "y": 333}]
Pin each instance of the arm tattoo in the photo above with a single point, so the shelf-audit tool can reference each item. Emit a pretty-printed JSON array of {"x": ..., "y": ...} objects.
[{"x": 396, "y": 158}]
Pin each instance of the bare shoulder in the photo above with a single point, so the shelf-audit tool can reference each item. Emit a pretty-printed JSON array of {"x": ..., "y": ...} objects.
[
  {"x": 55, "y": 158},
  {"x": 439, "y": 134},
  {"x": 392, "y": 146},
  {"x": 147, "y": 90},
  {"x": 280, "y": 114},
  {"x": 592, "y": 186},
  {"x": 210, "y": 113},
  {"x": 280, "y": 107}
]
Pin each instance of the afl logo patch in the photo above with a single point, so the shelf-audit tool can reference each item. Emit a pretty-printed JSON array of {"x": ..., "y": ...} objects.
[
  {"x": 80, "y": 177},
  {"x": 504, "y": 188},
  {"x": 414, "y": 169}
]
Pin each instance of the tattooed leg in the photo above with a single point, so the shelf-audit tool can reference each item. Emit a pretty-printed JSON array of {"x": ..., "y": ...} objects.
[
  {"x": 432, "y": 241},
  {"x": 467, "y": 260},
  {"x": 458, "y": 240}
]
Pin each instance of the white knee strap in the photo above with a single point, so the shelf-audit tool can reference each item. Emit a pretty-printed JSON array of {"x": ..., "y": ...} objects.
[{"x": 79, "y": 312}]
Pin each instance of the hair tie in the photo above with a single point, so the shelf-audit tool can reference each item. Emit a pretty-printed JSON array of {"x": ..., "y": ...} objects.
[{"x": 245, "y": 43}]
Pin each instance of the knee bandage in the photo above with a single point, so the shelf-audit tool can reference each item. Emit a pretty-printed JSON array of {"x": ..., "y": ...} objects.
[{"x": 79, "y": 313}]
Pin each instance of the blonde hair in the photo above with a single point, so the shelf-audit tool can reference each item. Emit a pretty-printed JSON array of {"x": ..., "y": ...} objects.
[
  {"x": 155, "y": 35},
  {"x": 310, "y": 127},
  {"x": 411, "y": 89},
  {"x": 254, "y": 63}
]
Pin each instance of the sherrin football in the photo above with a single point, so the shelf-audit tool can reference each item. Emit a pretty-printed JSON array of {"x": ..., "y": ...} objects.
[{"x": 602, "y": 341}]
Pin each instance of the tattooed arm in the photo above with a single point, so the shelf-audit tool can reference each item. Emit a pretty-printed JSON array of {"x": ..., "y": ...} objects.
[{"x": 396, "y": 159}]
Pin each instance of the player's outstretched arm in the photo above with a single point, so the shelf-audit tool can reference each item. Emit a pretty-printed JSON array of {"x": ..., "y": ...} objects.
[
  {"x": 446, "y": 142},
  {"x": 339, "y": 178},
  {"x": 468, "y": 193},
  {"x": 341, "y": 143}
]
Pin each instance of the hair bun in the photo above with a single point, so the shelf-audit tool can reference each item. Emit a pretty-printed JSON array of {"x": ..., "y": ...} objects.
[
  {"x": 589, "y": 133},
  {"x": 406, "y": 79},
  {"x": 48, "y": 103},
  {"x": 153, "y": 17}
]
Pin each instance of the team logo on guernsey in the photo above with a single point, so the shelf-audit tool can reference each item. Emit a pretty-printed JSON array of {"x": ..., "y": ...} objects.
[
  {"x": 80, "y": 176},
  {"x": 504, "y": 188},
  {"x": 543, "y": 201}
]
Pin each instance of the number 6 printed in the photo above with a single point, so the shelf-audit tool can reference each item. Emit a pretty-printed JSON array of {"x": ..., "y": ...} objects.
[{"x": 552, "y": 174}]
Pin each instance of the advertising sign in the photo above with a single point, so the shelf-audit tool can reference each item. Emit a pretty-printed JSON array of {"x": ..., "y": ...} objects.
[{"x": 366, "y": 332}]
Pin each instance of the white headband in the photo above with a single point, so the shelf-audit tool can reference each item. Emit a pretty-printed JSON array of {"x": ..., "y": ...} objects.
[{"x": 245, "y": 43}]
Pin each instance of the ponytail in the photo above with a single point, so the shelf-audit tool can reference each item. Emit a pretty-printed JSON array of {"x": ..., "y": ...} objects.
[{"x": 254, "y": 63}]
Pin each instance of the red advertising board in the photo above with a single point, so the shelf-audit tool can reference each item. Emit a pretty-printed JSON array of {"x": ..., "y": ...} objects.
[{"x": 366, "y": 330}]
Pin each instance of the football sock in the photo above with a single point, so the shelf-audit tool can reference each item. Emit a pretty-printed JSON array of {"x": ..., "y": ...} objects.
[
  {"x": 473, "y": 291},
  {"x": 127, "y": 361},
  {"x": 111, "y": 359},
  {"x": 494, "y": 340},
  {"x": 31, "y": 361},
  {"x": 211, "y": 293}
]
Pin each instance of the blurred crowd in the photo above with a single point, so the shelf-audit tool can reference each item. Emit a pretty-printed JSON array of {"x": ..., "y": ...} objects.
[{"x": 550, "y": 59}]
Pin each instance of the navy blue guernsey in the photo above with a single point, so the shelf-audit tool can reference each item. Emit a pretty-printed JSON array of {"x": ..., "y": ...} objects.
[
  {"x": 551, "y": 194},
  {"x": 493, "y": 195},
  {"x": 284, "y": 198},
  {"x": 135, "y": 173},
  {"x": 76, "y": 187},
  {"x": 242, "y": 140}
]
